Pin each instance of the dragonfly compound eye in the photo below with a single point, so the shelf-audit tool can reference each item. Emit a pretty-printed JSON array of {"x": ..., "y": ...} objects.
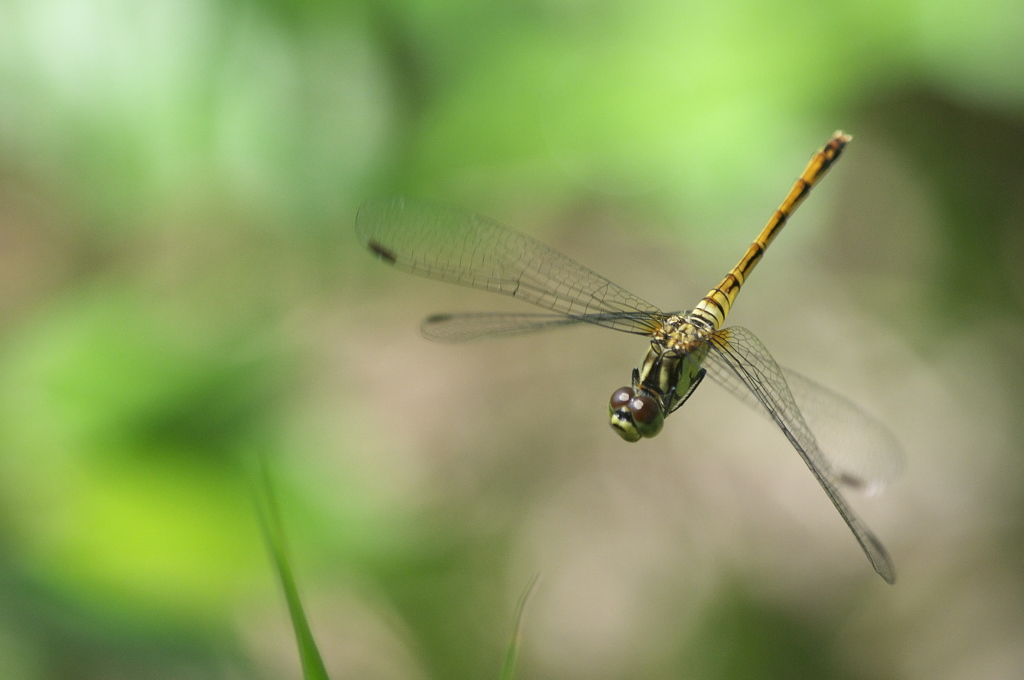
[
  {"x": 622, "y": 397},
  {"x": 621, "y": 416},
  {"x": 647, "y": 415}
]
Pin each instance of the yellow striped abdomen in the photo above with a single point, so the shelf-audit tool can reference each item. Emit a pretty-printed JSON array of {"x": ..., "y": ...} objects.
[{"x": 716, "y": 304}]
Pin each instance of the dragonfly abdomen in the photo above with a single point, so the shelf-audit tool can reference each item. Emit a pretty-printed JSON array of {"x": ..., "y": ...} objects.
[{"x": 716, "y": 304}]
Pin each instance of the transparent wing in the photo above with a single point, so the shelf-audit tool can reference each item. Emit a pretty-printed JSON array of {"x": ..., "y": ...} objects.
[
  {"x": 473, "y": 326},
  {"x": 861, "y": 452},
  {"x": 737, "y": 354},
  {"x": 452, "y": 245},
  {"x": 468, "y": 326}
]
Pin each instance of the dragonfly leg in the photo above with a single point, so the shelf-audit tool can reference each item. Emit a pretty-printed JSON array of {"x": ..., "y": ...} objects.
[{"x": 693, "y": 385}]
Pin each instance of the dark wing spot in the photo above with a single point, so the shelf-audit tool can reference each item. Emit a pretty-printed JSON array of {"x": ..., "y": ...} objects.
[
  {"x": 852, "y": 481},
  {"x": 381, "y": 251},
  {"x": 438, "y": 318}
]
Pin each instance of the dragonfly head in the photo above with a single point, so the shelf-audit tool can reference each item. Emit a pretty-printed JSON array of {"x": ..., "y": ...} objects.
[{"x": 634, "y": 414}]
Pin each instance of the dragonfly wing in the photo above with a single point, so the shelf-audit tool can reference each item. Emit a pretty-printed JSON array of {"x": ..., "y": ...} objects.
[
  {"x": 452, "y": 245},
  {"x": 861, "y": 452},
  {"x": 464, "y": 327},
  {"x": 736, "y": 354}
]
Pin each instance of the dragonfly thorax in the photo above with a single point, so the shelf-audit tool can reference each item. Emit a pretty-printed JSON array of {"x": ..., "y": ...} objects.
[
  {"x": 668, "y": 375},
  {"x": 682, "y": 333}
]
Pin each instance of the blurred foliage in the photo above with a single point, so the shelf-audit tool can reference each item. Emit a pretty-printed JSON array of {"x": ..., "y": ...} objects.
[
  {"x": 746, "y": 639},
  {"x": 181, "y": 290}
]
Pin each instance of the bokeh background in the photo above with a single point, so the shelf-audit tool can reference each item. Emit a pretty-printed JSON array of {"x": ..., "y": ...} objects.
[{"x": 181, "y": 289}]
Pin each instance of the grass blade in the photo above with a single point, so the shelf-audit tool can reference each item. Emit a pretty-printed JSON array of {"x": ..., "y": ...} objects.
[
  {"x": 508, "y": 670},
  {"x": 273, "y": 532}
]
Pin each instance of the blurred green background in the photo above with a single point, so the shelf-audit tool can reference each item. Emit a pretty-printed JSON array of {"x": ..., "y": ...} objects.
[{"x": 181, "y": 287}]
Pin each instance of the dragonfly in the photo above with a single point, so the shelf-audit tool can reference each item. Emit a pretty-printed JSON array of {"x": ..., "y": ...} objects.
[{"x": 840, "y": 444}]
